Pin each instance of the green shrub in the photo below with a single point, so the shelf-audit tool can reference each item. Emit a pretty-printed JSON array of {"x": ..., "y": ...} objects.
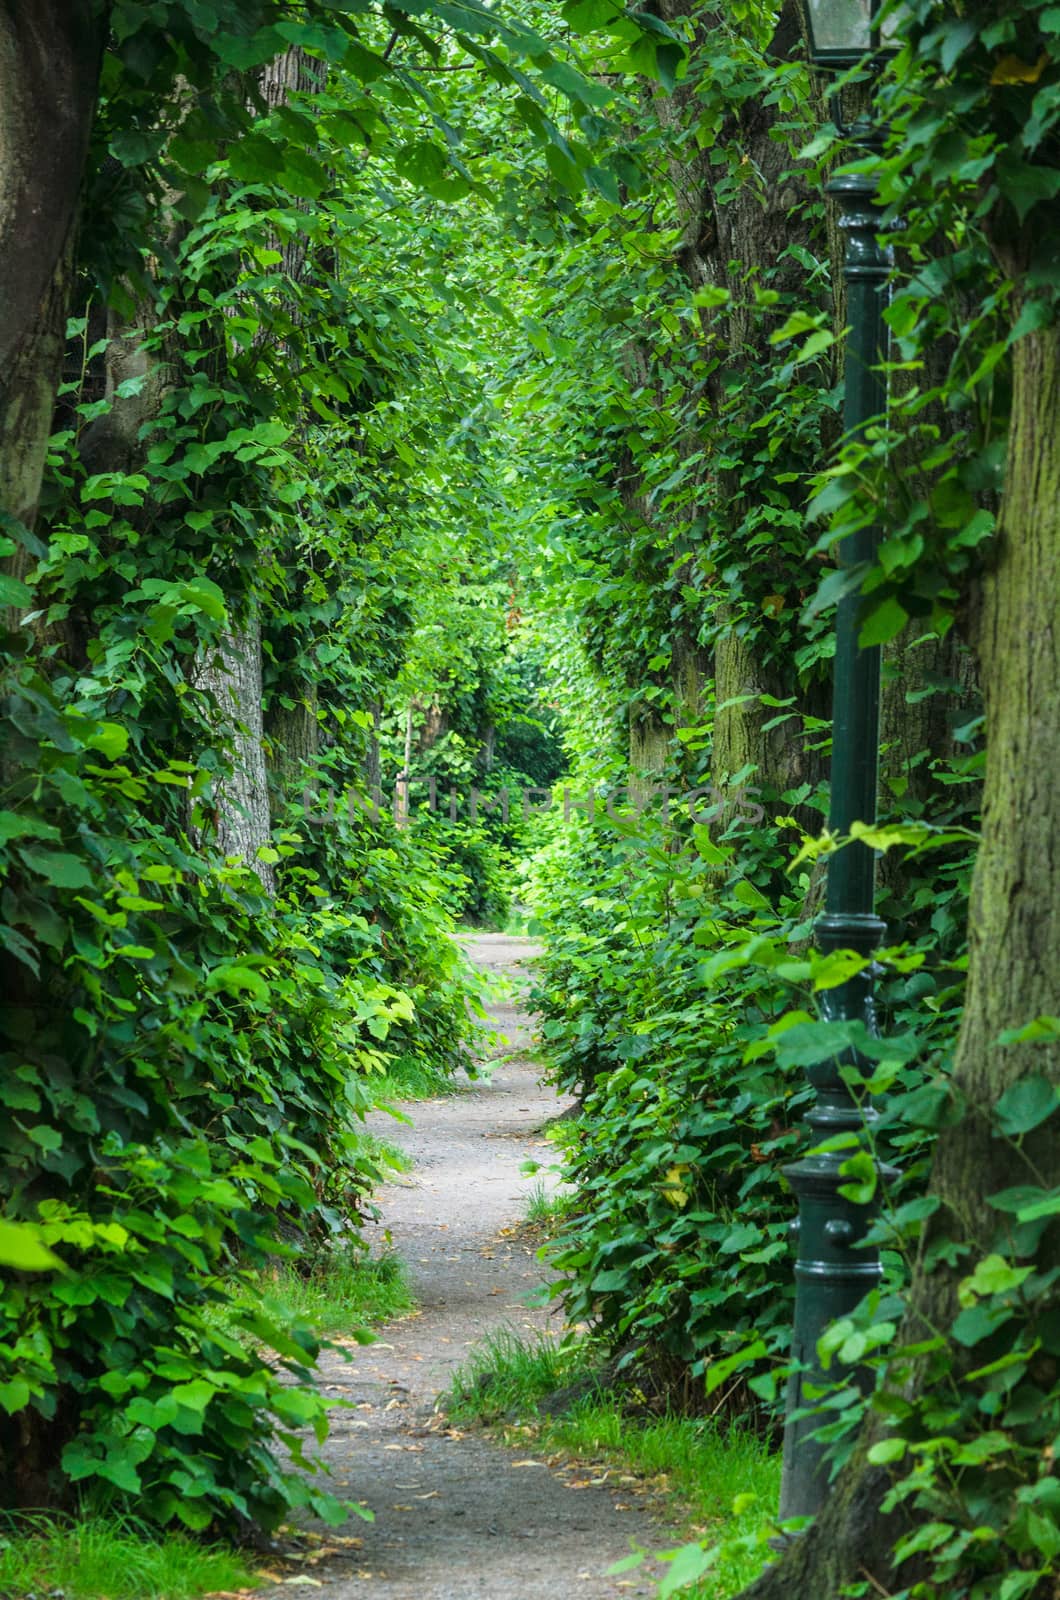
[
  {"x": 677, "y": 996},
  {"x": 185, "y": 1061}
]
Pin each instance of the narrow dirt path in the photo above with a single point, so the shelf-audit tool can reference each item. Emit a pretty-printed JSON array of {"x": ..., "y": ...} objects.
[{"x": 459, "y": 1517}]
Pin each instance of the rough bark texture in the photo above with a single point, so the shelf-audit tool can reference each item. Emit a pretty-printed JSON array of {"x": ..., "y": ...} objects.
[
  {"x": 1014, "y": 934},
  {"x": 293, "y": 735},
  {"x": 373, "y": 760},
  {"x": 49, "y": 75},
  {"x": 112, "y": 442},
  {"x": 649, "y": 744},
  {"x": 233, "y": 676},
  {"x": 740, "y": 736},
  {"x": 1013, "y": 926},
  {"x": 930, "y": 686},
  {"x": 236, "y": 670},
  {"x": 293, "y": 727},
  {"x": 722, "y": 235}
]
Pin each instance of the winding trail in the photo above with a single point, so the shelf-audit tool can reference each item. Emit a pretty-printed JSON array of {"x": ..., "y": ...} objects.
[{"x": 459, "y": 1516}]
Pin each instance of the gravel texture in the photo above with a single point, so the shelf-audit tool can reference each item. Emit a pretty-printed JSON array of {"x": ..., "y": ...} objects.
[{"x": 457, "y": 1515}]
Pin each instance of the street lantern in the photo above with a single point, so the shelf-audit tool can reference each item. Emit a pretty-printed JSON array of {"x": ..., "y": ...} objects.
[
  {"x": 835, "y": 1268},
  {"x": 844, "y": 32}
]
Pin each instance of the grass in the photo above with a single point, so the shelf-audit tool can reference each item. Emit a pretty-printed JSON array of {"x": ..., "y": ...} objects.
[
  {"x": 384, "y": 1152},
  {"x": 719, "y": 1476},
  {"x": 508, "y": 1376},
  {"x": 90, "y": 1558},
  {"x": 720, "y": 1480},
  {"x": 411, "y": 1079},
  {"x": 342, "y": 1289},
  {"x": 544, "y": 1206}
]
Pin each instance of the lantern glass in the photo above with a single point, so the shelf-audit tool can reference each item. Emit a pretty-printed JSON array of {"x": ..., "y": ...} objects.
[{"x": 842, "y": 32}]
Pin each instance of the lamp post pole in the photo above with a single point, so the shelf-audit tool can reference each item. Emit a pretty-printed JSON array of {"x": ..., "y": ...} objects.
[{"x": 834, "y": 1269}]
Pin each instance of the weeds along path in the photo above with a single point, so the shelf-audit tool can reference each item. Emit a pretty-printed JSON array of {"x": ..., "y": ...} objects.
[{"x": 459, "y": 1516}]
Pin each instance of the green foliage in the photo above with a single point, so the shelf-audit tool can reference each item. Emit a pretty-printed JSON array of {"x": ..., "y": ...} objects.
[
  {"x": 970, "y": 168},
  {"x": 724, "y": 1477},
  {"x": 679, "y": 1003},
  {"x": 334, "y": 1290},
  {"x": 186, "y": 1054},
  {"x": 381, "y": 367},
  {"x": 112, "y": 1559},
  {"x": 968, "y": 1449}
]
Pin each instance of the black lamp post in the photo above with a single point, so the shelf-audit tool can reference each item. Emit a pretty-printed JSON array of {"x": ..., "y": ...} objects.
[{"x": 834, "y": 1270}]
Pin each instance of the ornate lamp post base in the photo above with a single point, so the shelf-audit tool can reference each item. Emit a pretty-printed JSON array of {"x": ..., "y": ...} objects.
[{"x": 835, "y": 1269}]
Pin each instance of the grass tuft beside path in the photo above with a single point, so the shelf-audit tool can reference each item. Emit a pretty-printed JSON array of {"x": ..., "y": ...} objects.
[
  {"x": 92, "y": 1558},
  {"x": 337, "y": 1293},
  {"x": 720, "y": 1480}
]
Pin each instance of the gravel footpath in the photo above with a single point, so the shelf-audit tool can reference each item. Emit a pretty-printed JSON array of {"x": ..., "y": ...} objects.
[{"x": 458, "y": 1516}]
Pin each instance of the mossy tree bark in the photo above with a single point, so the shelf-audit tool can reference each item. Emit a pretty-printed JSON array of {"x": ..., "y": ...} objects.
[
  {"x": 50, "y": 55},
  {"x": 724, "y": 235},
  {"x": 235, "y": 672},
  {"x": 1014, "y": 936}
]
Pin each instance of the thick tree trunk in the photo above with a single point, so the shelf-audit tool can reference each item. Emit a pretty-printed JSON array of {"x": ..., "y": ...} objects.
[
  {"x": 740, "y": 735},
  {"x": 50, "y": 52},
  {"x": 1014, "y": 936},
  {"x": 929, "y": 686},
  {"x": 113, "y": 441}
]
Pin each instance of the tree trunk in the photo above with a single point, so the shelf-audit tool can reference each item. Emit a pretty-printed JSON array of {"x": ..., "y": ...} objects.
[
  {"x": 929, "y": 685},
  {"x": 373, "y": 760},
  {"x": 401, "y": 792},
  {"x": 235, "y": 674},
  {"x": 929, "y": 688},
  {"x": 1014, "y": 935},
  {"x": 233, "y": 677},
  {"x": 50, "y": 53},
  {"x": 723, "y": 234},
  {"x": 293, "y": 724},
  {"x": 740, "y": 736},
  {"x": 649, "y": 744},
  {"x": 293, "y": 735}
]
